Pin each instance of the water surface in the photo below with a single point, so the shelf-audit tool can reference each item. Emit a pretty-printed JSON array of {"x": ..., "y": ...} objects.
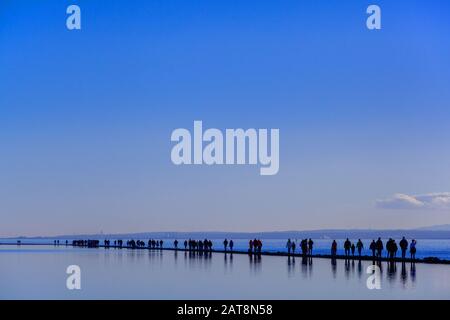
[{"x": 39, "y": 272}]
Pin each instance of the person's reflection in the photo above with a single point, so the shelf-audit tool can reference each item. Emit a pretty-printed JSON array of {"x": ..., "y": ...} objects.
[
  {"x": 175, "y": 255},
  {"x": 391, "y": 270},
  {"x": 228, "y": 261},
  {"x": 404, "y": 274},
  {"x": 380, "y": 265},
  {"x": 291, "y": 260},
  {"x": 255, "y": 263},
  {"x": 359, "y": 269},
  {"x": 291, "y": 266},
  {"x": 310, "y": 266},
  {"x": 304, "y": 266},
  {"x": 412, "y": 272},
  {"x": 353, "y": 266},
  {"x": 334, "y": 267},
  {"x": 347, "y": 268}
]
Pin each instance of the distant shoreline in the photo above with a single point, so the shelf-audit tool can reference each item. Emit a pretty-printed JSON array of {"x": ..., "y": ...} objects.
[
  {"x": 427, "y": 260},
  {"x": 441, "y": 232}
]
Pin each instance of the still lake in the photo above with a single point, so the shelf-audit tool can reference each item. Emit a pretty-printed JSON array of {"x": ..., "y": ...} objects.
[{"x": 39, "y": 272}]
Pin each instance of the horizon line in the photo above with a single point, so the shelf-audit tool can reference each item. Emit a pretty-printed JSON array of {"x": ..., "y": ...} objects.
[{"x": 230, "y": 232}]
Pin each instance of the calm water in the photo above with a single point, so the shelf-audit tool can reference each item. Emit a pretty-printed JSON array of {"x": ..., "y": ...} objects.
[{"x": 38, "y": 272}]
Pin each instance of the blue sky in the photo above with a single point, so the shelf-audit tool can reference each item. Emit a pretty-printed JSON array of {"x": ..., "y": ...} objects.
[{"x": 86, "y": 116}]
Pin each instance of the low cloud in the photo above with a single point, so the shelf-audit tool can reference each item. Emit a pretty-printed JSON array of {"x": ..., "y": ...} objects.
[{"x": 422, "y": 201}]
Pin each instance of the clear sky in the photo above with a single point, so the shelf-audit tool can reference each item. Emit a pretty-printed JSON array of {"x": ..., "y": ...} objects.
[{"x": 86, "y": 115}]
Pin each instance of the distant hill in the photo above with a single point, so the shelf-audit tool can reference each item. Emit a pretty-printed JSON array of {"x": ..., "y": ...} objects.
[
  {"x": 442, "y": 227},
  {"x": 433, "y": 232}
]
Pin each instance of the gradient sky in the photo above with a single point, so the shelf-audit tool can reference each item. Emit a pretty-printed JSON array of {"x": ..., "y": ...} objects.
[{"x": 86, "y": 116}]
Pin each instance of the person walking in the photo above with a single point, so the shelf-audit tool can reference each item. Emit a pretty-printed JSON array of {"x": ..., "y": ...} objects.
[
  {"x": 373, "y": 248},
  {"x": 310, "y": 246},
  {"x": 347, "y": 246},
  {"x": 403, "y": 247},
  {"x": 225, "y": 244},
  {"x": 413, "y": 249},
  {"x": 289, "y": 246},
  {"x": 334, "y": 248},
  {"x": 359, "y": 246},
  {"x": 379, "y": 247}
]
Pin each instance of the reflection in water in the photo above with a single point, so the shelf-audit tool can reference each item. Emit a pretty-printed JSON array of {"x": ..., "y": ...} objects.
[
  {"x": 195, "y": 260},
  {"x": 347, "y": 268},
  {"x": 304, "y": 266},
  {"x": 177, "y": 275},
  {"x": 391, "y": 270},
  {"x": 352, "y": 268},
  {"x": 310, "y": 268},
  {"x": 334, "y": 267},
  {"x": 413, "y": 272},
  {"x": 404, "y": 274},
  {"x": 228, "y": 262},
  {"x": 360, "y": 270},
  {"x": 291, "y": 266},
  {"x": 255, "y": 263}
]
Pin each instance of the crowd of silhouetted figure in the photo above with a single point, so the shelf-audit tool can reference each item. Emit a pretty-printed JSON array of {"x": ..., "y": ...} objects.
[
  {"x": 305, "y": 247},
  {"x": 198, "y": 245},
  {"x": 302, "y": 247},
  {"x": 255, "y": 246},
  {"x": 85, "y": 243},
  {"x": 377, "y": 247}
]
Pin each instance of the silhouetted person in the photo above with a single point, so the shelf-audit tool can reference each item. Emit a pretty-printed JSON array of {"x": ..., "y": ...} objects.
[
  {"x": 347, "y": 246},
  {"x": 389, "y": 249},
  {"x": 289, "y": 246},
  {"x": 353, "y": 249},
  {"x": 379, "y": 247},
  {"x": 185, "y": 244},
  {"x": 394, "y": 249},
  {"x": 175, "y": 244},
  {"x": 161, "y": 243},
  {"x": 210, "y": 245},
  {"x": 413, "y": 249},
  {"x": 403, "y": 246},
  {"x": 310, "y": 246},
  {"x": 373, "y": 248},
  {"x": 231, "y": 245},
  {"x": 334, "y": 248},
  {"x": 305, "y": 248},
  {"x": 250, "y": 246},
  {"x": 293, "y": 247},
  {"x": 225, "y": 244},
  {"x": 359, "y": 246}
]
